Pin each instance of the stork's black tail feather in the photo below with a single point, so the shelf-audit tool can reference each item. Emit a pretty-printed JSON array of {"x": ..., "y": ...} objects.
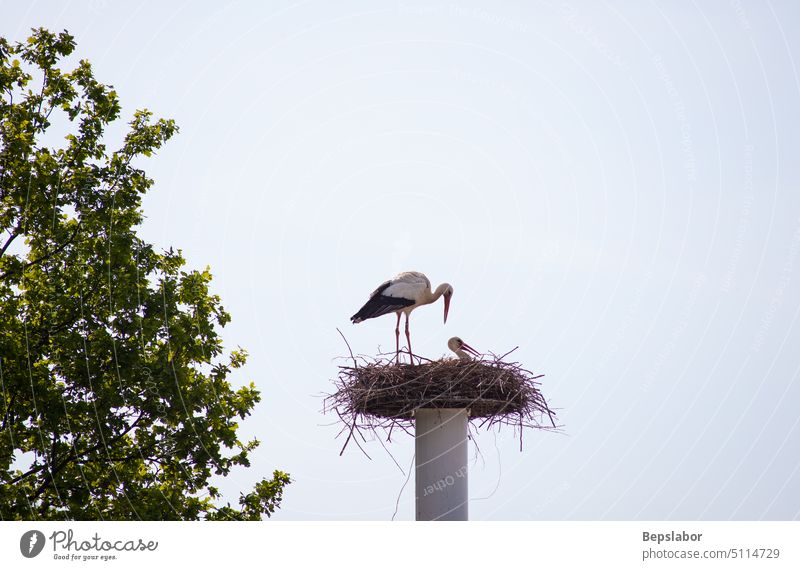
[{"x": 379, "y": 305}]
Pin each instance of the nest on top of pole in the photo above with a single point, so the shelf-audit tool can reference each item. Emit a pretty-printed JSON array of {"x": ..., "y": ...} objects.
[{"x": 377, "y": 393}]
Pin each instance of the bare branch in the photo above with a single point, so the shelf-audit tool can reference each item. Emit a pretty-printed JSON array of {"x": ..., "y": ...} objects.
[{"x": 8, "y": 243}]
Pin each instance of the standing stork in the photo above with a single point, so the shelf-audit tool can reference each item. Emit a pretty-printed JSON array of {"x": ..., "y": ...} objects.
[
  {"x": 402, "y": 294},
  {"x": 461, "y": 349}
]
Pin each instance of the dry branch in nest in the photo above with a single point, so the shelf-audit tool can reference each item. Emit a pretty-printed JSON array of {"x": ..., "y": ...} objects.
[{"x": 376, "y": 393}]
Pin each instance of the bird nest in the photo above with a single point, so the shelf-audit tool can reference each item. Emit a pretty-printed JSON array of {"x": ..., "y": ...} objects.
[{"x": 376, "y": 393}]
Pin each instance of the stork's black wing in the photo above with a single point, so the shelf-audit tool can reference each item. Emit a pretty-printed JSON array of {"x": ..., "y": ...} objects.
[{"x": 380, "y": 304}]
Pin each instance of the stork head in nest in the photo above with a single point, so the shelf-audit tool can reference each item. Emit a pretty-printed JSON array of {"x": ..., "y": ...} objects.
[{"x": 462, "y": 349}]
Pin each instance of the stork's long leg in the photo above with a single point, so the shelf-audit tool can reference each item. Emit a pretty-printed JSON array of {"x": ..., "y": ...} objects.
[
  {"x": 397, "y": 339},
  {"x": 408, "y": 338}
]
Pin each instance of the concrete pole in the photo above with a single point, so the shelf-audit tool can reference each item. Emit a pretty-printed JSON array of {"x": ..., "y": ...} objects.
[{"x": 441, "y": 464}]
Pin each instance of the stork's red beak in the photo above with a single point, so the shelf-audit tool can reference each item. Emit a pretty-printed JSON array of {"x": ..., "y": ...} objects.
[
  {"x": 469, "y": 349},
  {"x": 446, "y": 306}
]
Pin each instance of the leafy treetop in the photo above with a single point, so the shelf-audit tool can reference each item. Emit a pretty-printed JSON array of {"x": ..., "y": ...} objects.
[{"x": 114, "y": 391}]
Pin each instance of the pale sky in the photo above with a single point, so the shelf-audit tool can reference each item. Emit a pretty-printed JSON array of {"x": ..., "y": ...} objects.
[{"x": 612, "y": 187}]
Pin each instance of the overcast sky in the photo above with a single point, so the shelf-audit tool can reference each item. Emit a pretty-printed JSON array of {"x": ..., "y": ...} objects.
[{"x": 612, "y": 187}]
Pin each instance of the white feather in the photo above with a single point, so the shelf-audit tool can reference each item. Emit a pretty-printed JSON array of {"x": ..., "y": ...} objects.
[{"x": 408, "y": 285}]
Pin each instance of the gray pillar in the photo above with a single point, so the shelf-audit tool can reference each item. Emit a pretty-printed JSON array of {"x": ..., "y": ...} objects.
[{"x": 441, "y": 464}]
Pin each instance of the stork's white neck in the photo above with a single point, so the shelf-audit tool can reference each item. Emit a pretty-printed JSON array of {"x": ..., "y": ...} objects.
[
  {"x": 462, "y": 355},
  {"x": 432, "y": 297}
]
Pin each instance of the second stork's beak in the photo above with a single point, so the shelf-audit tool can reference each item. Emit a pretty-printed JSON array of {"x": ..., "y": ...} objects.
[
  {"x": 467, "y": 348},
  {"x": 446, "y": 306}
]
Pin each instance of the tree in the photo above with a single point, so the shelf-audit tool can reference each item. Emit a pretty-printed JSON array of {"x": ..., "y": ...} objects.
[{"x": 116, "y": 402}]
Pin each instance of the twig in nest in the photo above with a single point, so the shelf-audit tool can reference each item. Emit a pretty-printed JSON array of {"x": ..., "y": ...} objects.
[{"x": 355, "y": 363}]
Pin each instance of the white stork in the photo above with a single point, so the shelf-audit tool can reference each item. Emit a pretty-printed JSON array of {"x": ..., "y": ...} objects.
[
  {"x": 461, "y": 349},
  {"x": 402, "y": 294}
]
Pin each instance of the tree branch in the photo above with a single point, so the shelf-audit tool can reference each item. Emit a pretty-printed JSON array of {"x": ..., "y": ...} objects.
[
  {"x": 70, "y": 458},
  {"x": 27, "y": 474},
  {"x": 49, "y": 254},
  {"x": 10, "y": 406},
  {"x": 8, "y": 243}
]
